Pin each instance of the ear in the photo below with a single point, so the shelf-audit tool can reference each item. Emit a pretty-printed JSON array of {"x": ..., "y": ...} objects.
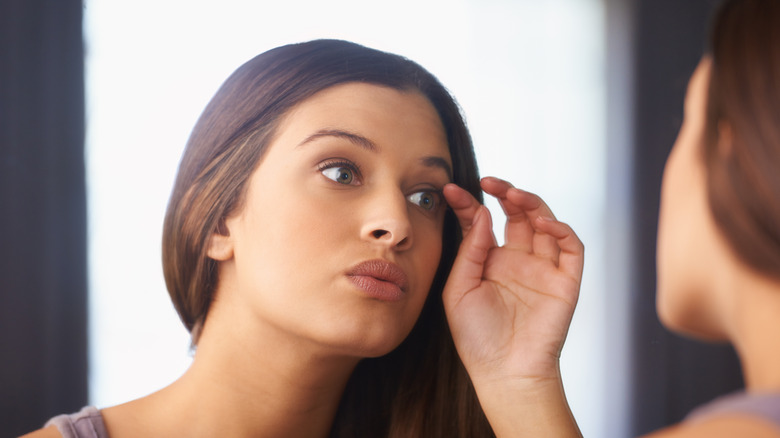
[
  {"x": 725, "y": 139},
  {"x": 220, "y": 244}
]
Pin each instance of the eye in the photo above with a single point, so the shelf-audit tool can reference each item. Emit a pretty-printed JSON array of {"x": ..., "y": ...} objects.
[
  {"x": 427, "y": 200},
  {"x": 343, "y": 175},
  {"x": 341, "y": 172}
]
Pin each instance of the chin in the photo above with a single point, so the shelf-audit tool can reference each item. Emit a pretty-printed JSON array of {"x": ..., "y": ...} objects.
[
  {"x": 378, "y": 351},
  {"x": 367, "y": 341},
  {"x": 699, "y": 333},
  {"x": 366, "y": 349},
  {"x": 689, "y": 321}
]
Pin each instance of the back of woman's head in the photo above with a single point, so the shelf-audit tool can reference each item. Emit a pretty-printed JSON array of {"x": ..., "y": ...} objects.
[
  {"x": 236, "y": 127},
  {"x": 742, "y": 147}
]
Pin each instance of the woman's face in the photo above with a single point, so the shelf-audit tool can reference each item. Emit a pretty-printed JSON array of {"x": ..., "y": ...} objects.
[
  {"x": 689, "y": 244},
  {"x": 340, "y": 233}
]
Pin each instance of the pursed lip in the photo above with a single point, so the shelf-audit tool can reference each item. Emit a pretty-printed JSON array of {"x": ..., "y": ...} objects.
[{"x": 382, "y": 270}]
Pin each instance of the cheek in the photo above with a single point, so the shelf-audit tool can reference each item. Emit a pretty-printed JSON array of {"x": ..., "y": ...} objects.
[
  {"x": 685, "y": 300},
  {"x": 666, "y": 228},
  {"x": 433, "y": 253},
  {"x": 673, "y": 246},
  {"x": 428, "y": 256},
  {"x": 302, "y": 223}
]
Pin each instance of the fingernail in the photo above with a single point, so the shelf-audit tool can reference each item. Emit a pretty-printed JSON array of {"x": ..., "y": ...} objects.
[
  {"x": 546, "y": 218},
  {"x": 482, "y": 215},
  {"x": 478, "y": 215}
]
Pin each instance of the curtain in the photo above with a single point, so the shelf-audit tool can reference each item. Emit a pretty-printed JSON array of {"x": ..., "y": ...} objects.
[{"x": 43, "y": 282}]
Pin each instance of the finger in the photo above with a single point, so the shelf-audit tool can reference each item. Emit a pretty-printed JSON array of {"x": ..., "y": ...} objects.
[
  {"x": 531, "y": 204},
  {"x": 544, "y": 245},
  {"x": 522, "y": 208},
  {"x": 572, "y": 251},
  {"x": 518, "y": 232},
  {"x": 469, "y": 265},
  {"x": 463, "y": 204}
]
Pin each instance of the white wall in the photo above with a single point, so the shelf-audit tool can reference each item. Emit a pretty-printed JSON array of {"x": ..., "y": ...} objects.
[{"x": 528, "y": 74}]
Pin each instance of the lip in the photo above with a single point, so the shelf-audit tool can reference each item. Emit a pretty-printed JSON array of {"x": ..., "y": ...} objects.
[{"x": 380, "y": 279}]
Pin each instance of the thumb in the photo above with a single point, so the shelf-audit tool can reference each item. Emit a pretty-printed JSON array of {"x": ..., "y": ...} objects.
[{"x": 469, "y": 264}]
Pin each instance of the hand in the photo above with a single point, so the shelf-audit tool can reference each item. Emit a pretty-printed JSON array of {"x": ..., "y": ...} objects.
[{"x": 509, "y": 307}]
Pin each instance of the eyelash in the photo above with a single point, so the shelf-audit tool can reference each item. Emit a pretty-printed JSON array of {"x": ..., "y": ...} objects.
[
  {"x": 437, "y": 201},
  {"x": 337, "y": 163}
]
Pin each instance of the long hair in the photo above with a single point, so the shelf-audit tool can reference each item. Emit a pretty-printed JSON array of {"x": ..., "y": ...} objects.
[
  {"x": 743, "y": 172},
  {"x": 421, "y": 388}
]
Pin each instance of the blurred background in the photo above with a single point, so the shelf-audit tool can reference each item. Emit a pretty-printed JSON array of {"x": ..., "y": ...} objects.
[{"x": 576, "y": 100}]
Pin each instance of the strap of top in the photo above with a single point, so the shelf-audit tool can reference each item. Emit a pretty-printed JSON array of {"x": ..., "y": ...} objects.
[
  {"x": 87, "y": 423},
  {"x": 766, "y": 406}
]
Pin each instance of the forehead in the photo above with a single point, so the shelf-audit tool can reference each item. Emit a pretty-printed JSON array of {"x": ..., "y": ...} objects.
[{"x": 386, "y": 116}]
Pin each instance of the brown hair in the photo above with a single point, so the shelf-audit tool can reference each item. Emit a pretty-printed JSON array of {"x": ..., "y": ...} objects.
[
  {"x": 419, "y": 389},
  {"x": 744, "y": 174}
]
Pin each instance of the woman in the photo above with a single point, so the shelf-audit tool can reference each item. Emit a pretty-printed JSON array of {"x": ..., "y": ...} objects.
[
  {"x": 309, "y": 249},
  {"x": 719, "y": 230}
]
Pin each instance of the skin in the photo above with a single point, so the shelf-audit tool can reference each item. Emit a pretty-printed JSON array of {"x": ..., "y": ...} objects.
[
  {"x": 688, "y": 241},
  {"x": 370, "y": 217},
  {"x": 704, "y": 289},
  {"x": 508, "y": 307}
]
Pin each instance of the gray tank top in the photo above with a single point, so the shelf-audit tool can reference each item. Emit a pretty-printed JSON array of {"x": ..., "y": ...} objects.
[
  {"x": 87, "y": 423},
  {"x": 766, "y": 406}
]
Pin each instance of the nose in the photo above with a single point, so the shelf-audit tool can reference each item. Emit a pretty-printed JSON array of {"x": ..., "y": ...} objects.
[{"x": 387, "y": 221}]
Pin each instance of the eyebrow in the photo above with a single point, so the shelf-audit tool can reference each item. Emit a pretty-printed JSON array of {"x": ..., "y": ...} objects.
[
  {"x": 440, "y": 163},
  {"x": 339, "y": 133},
  {"x": 365, "y": 143}
]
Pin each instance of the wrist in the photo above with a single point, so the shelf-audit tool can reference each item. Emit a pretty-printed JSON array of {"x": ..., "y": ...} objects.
[{"x": 527, "y": 406}]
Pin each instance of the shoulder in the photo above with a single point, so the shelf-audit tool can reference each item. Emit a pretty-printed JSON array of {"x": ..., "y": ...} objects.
[
  {"x": 86, "y": 423},
  {"x": 46, "y": 432},
  {"x": 722, "y": 426}
]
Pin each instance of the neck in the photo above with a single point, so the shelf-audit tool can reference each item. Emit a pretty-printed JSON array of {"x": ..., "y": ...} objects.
[
  {"x": 757, "y": 323},
  {"x": 269, "y": 386}
]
